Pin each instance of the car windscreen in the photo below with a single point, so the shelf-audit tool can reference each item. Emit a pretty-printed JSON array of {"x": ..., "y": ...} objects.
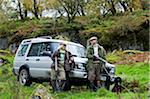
[{"x": 75, "y": 50}]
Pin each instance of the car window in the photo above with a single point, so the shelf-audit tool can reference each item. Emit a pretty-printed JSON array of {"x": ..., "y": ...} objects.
[
  {"x": 45, "y": 47},
  {"x": 35, "y": 49},
  {"x": 23, "y": 50},
  {"x": 54, "y": 46}
]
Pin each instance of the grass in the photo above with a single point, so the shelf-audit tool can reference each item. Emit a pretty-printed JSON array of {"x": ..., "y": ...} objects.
[
  {"x": 10, "y": 88},
  {"x": 134, "y": 74},
  {"x": 100, "y": 94},
  {"x": 138, "y": 71}
]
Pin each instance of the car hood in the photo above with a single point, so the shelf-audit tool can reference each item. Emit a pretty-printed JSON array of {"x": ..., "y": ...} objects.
[
  {"x": 84, "y": 60},
  {"x": 80, "y": 60}
]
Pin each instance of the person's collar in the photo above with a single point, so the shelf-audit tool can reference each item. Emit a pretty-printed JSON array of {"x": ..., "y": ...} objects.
[{"x": 95, "y": 45}]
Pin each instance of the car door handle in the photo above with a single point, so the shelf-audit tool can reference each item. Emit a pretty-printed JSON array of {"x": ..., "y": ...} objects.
[
  {"x": 27, "y": 59},
  {"x": 37, "y": 59}
]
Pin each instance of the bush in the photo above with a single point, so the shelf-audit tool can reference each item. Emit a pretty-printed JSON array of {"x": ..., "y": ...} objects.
[{"x": 113, "y": 58}]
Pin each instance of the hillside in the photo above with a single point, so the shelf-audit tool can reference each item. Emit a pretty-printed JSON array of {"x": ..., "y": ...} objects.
[
  {"x": 134, "y": 77},
  {"x": 128, "y": 31}
]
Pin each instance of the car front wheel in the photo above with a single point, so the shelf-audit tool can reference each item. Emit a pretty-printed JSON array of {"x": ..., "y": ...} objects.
[{"x": 24, "y": 77}]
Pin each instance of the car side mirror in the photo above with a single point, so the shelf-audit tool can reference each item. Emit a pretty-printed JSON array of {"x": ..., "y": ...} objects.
[{"x": 46, "y": 53}]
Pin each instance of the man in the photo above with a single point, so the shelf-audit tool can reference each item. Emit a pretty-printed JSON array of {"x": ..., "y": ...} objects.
[
  {"x": 94, "y": 66},
  {"x": 62, "y": 61}
]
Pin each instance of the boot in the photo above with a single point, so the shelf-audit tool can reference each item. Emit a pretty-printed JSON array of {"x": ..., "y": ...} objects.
[
  {"x": 58, "y": 87},
  {"x": 92, "y": 86},
  {"x": 55, "y": 86},
  {"x": 63, "y": 84},
  {"x": 98, "y": 84},
  {"x": 53, "y": 83}
]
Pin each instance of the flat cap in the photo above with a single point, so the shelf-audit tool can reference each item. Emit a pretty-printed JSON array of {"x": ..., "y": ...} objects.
[{"x": 93, "y": 38}]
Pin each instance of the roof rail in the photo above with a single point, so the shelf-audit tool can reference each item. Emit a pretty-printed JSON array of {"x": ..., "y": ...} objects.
[{"x": 45, "y": 37}]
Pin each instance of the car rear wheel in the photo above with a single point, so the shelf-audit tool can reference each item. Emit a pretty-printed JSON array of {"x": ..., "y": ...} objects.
[{"x": 24, "y": 77}]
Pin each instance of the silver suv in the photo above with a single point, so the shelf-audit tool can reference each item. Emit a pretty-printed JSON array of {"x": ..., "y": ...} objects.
[{"x": 31, "y": 65}]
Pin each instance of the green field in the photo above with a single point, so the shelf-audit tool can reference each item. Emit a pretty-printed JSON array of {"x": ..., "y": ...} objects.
[{"x": 135, "y": 79}]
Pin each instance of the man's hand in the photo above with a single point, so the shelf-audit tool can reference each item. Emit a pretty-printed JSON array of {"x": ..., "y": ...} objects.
[
  {"x": 97, "y": 56},
  {"x": 71, "y": 60},
  {"x": 101, "y": 59}
]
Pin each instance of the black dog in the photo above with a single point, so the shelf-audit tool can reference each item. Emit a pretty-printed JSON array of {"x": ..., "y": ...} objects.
[{"x": 117, "y": 87}]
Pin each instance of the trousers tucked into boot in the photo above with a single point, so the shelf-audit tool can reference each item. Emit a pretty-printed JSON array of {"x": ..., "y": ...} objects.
[
  {"x": 55, "y": 85},
  {"x": 92, "y": 86}
]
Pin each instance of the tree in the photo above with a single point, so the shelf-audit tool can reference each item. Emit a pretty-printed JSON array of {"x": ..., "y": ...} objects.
[
  {"x": 145, "y": 4},
  {"x": 112, "y": 6},
  {"x": 101, "y": 7},
  {"x": 27, "y": 6},
  {"x": 1, "y": 1},
  {"x": 2, "y": 15},
  {"x": 20, "y": 10},
  {"x": 123, "y": 4},
  {"x": 93, "y": 7},
  {"x": 34, "y": 6},
  {"x": 81, "y": 6},
  {"x": 31, "y": 6},
  {"x": 136, "y": 4},
  {"x": 55, "y": 5},
  {"x": 5, "y": 10},
  {"x": 35, "y": 10},
  {"x": 70, "y": 7}
]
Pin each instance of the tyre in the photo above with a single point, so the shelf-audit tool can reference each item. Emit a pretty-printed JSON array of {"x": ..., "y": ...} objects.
[{"x": 24, "y": 77}]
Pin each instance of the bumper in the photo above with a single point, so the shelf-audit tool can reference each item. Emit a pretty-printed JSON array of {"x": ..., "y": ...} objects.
[{"x": 78, "y": 74}]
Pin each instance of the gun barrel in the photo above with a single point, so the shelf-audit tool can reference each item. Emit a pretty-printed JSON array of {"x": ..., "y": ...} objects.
[
  {"x": 102, "y": 59},
  {"x": 56, "y": 65}
]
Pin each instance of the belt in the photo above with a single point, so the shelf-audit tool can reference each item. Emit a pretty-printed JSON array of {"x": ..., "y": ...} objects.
[{"x": 96, "y": 62}]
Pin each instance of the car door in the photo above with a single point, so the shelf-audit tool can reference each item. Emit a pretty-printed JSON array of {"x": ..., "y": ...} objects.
[
  {"x": 39, "y": 65},
  {"x": 20, "y": 56}
]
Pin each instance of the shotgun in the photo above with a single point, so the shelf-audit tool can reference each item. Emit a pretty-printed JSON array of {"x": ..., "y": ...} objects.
[{"x": 56, "y": 65}]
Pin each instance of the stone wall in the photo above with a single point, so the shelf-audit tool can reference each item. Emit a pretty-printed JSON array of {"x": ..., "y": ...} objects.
[{"x": 3, "y": 43}]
